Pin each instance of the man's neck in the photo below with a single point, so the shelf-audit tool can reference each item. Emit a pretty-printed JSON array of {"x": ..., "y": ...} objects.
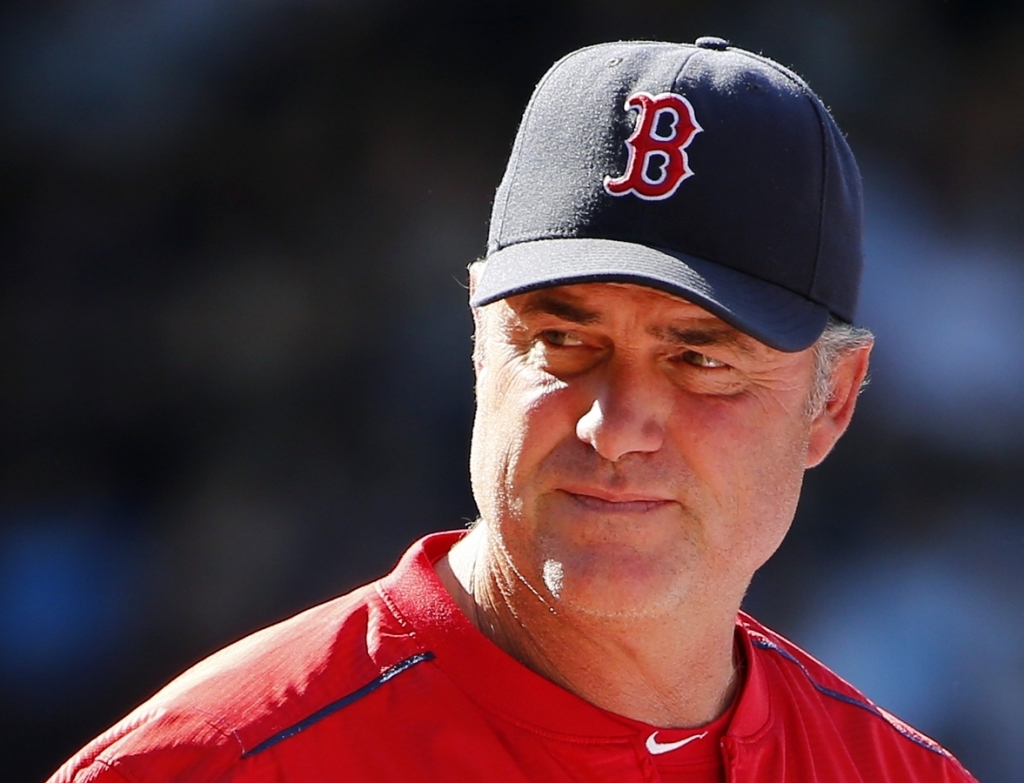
[{"x": 669, "y": 672}]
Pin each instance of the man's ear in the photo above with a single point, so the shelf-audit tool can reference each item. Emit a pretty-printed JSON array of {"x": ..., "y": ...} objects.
[{"x": 834, "y": 417}]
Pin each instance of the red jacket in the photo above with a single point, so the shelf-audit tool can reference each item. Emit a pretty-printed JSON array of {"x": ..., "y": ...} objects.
[{"x": 392, "y": 682}]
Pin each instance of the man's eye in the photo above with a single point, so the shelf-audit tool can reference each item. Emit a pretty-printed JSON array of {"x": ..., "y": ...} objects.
[
  {"x": 561, "y": 339},
  {"x": 701, "y": 360}
]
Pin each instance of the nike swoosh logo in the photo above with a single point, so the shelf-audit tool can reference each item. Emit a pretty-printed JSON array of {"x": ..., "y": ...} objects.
[{"x": 657, "y": 748}]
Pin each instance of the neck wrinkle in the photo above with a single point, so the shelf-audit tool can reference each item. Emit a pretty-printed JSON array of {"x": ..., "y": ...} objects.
[{"x": 605, "y": 663}]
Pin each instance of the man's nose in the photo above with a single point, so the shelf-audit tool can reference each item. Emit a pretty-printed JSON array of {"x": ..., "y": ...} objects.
[{"x": 627, "y": 416}]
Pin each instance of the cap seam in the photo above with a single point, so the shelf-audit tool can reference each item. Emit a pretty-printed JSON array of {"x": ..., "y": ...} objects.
[
  {"x": 811, "y": 293},
  {"x": 694, "y": 51}
]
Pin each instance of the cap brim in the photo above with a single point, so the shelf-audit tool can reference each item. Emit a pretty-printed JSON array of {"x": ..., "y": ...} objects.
[{"x": 773, "y": 315}]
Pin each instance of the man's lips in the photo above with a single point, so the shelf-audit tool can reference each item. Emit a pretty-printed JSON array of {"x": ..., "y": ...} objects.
[{"x": 615, "y": 502}]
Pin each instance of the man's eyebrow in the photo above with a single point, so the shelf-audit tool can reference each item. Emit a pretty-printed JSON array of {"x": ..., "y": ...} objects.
[
  {"x": 550, "y": 305},
  {"x": 703, "y": 336}
]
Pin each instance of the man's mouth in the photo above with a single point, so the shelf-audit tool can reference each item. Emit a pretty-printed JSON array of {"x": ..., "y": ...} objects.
[{"x": 617, "y": 503}]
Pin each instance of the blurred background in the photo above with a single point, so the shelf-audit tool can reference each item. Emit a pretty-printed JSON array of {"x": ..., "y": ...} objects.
[{"x": 234, "y": 349}]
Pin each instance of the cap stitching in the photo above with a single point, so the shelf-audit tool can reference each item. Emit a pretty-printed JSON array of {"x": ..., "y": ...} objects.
[
  {"x": 694, "y": 52},
  {"x": 825, "y": 173}
]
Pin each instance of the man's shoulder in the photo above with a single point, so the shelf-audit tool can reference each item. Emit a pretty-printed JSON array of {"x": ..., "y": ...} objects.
[
  {"x": 251, "y": 692},
  {"x": 805, "y": 690}
]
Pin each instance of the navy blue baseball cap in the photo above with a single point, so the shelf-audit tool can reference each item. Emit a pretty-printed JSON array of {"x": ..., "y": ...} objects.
[{"x": 702, "y": 170}]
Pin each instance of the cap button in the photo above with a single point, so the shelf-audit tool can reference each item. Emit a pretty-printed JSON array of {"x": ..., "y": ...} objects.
[{"x": 712, "y": 42}]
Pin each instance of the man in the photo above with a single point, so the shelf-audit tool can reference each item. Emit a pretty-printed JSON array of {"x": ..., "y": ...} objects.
[{"x": 663, "y": 347}]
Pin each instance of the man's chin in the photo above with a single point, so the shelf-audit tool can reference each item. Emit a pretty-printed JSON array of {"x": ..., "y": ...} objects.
[{"x": 613, "y": 581}]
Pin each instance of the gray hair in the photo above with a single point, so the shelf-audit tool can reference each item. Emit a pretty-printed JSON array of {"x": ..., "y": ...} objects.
[{"x": 838, "y": 340}]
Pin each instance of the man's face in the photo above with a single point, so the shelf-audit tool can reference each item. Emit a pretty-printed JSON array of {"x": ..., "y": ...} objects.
[{"x": 631, "y": 451}]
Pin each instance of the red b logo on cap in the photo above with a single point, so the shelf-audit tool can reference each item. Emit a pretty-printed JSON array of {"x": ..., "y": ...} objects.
[{"x": 657, "y": 163}]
